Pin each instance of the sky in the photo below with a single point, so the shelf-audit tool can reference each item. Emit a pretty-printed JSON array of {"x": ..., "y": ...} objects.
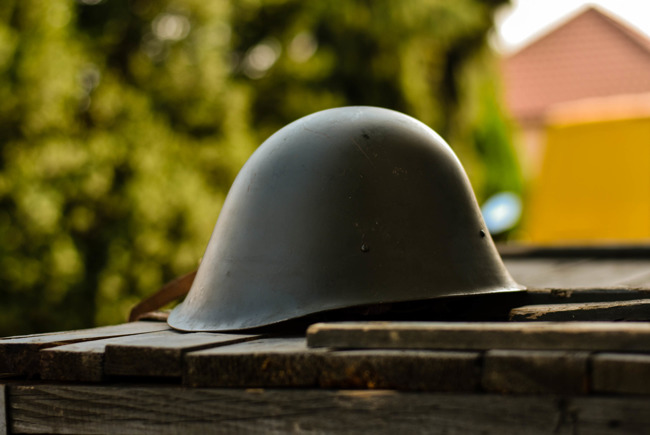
[{"x": 525, "y": 20}]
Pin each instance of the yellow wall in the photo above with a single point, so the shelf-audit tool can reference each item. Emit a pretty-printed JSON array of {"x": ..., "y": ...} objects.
[{"x": 594, "y": 184}]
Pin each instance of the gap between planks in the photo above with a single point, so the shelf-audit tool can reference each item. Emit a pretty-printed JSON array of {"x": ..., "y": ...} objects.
[
  {"x": 20, "y": 355},
  {"x": 288, "y": 362},
  {"x": 155, "y": 354},
  {"x": 161, "y": 353}
]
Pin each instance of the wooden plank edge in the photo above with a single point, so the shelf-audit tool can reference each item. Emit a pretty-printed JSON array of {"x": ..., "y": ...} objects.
[
  {"x": 143, "y": 360},
  {"x": 629, "y": 310},
  {"x": 98, "y": 329},
  {"x": 400, "y": 370},
  {"x": 536, "y": 372},
  {"x": 21, "y": 357},
  {"x": 167, "y": 410},
  {"x": 586, "y": 336},
  {"x": 506, "y": 371},
  {"x": 553, "y": 295},
  {"x": 619, "y": 373},
  {"x": 522, "y": 251}
]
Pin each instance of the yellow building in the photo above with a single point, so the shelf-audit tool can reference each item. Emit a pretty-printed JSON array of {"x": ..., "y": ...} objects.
[{"x": 594, "y": 182}]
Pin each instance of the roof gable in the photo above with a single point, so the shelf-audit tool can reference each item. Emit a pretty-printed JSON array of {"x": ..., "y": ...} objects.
[{"x": 591, "y": 55}]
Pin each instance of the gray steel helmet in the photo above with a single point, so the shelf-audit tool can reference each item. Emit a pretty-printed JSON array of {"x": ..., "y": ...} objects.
[{"x": 347, "y": 207}]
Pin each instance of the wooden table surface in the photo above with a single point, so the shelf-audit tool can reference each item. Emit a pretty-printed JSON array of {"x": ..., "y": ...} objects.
[{"x": 574, "y": 358}]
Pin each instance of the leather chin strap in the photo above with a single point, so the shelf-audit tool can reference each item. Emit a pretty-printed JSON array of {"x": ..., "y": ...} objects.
[{"x": 169, "y": 292}]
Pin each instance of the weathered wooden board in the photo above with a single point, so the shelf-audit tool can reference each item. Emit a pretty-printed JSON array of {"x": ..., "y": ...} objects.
[
  {"x": 20, "y": 356},
  {"x": 422, "y": 370},
  {"x": 266, "y": 362},
  {"x": 286, "y": 362},
  {"x": 605, "y": 415},
  {"x": 621, "y": 373},
  {"x": 633, "y": 310},
  {"x": 637, "y": 280},
  {"x": 517, "y": 251},
  {"x": 579, "y": 272},
  {"x": 161, "y": 353},
  {"x": 596, "y": 336},
  {"x": 3, "y": 410},
  {"x": 541, "y": 272},
  {"x": 569, "y": 295},
  {"x": 12, "y": 337},
  {"x": 83, "y": 361},
  {"x": 535, "y": 372},
  {"x": 174, "y": 410}
]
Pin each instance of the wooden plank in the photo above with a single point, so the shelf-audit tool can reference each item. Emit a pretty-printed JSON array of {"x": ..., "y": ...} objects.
[
  {"x": 542, "y": 272},
  {"x": 421, "y": 370},
  {"x": 634, "y": 310},
  {"x": 639, "y": 280},
  {"x": 174, "y": 410},
  {"x": 515, "y": 251},
  {"x": 603, "y": 336},
  {"x": 3, "y": 410},
  {"x": 100, "y": 331},
  {"x": 579, "y": 272},
  {"x": 605, "y": 415},
  {"x": 584, "y": 295},
  {"x": 535, "y": 372},
  {"x": 83, "y": 361},
  {"x": 161, "y": 353},
  {"x": 607, "y": 272},
  {"x": 20, "y": 356},
  {"x": 287, "y": 362},
  {"x": 621, "y": 373},
  {"x": 261, "y": 363},
  {"x": 12, "y": 337}
]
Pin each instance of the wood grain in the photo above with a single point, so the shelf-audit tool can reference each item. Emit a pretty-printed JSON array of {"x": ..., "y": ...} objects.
[
  {"x": 535, "y": 372},
  {"x": 421, "y": 370},
  {"x": 289, "y": 363},
  {"x": 606, "y": 415},
  {"x": 596, "y": 336},
  {"x": 175, "y": 410},
  {"x": 3, "y": 410},
  {"x": 20, "y": 356},
  {"x": 83, "y": 361},
  {"x": 633, "y": 310},
  {"x": 621, "y": 373},
  {"x": 261, "y": 363},
  {"x": 567, "y": 294},
  {"x": 161, "y": 353}
]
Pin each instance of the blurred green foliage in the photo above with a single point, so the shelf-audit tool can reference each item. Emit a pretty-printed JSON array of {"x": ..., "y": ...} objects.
[{"x": 123, "y": 123}]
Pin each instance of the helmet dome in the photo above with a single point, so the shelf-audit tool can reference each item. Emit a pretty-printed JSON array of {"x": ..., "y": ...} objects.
[{"x": 346, "y": 207}]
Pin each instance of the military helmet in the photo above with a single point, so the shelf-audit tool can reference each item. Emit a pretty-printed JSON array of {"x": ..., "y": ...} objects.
[{"x": 347, "y": 207}]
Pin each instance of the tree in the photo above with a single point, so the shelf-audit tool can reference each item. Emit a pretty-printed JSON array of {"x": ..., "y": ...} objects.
[
  {"x": 120, "y": 132},
  {"x": 123, "y": 123}
]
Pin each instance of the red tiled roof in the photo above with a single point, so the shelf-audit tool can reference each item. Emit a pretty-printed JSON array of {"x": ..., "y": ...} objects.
[{"x": 591, "y": 55}]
